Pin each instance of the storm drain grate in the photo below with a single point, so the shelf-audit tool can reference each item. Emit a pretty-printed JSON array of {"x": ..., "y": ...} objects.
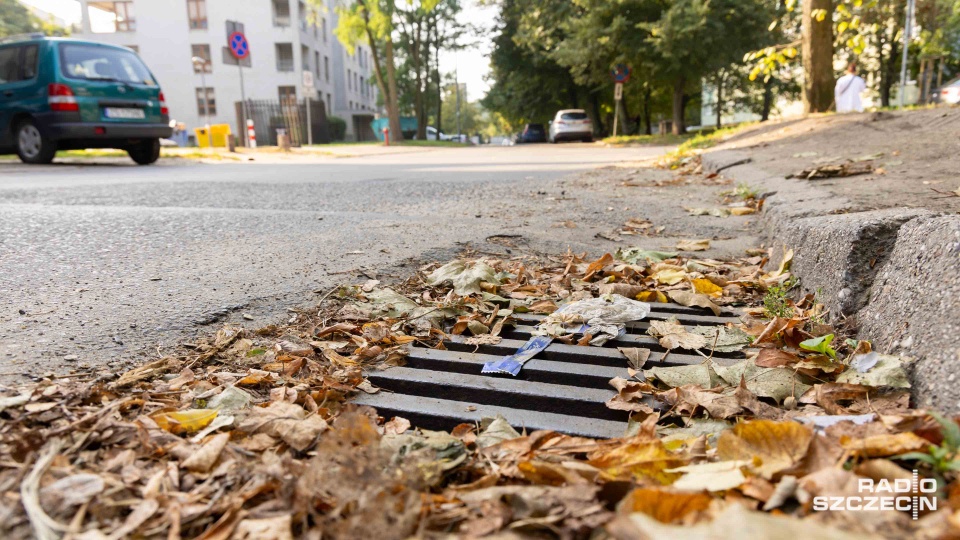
[{"x": 564, "y": 388}]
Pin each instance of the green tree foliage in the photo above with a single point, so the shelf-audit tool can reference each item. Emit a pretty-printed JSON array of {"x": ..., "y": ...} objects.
[
  {"x": 528, "y": 85},
  {"x": 371, "y": 22},
  {"x": 555, "y": 53},
  {"x": 16, "y": 19}
]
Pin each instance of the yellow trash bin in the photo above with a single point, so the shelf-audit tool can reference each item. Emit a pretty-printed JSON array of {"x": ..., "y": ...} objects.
[{"x": 219, "y": 132}]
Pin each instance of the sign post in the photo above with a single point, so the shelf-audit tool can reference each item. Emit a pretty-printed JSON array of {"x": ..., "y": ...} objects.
[
  {"x": 308, "y": 91},
  {"x": 239, "y": 53},
  {"x": 620, "y": 74}
]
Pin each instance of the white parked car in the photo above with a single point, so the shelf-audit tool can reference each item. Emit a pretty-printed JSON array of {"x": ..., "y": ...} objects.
[{"x": 571, "y": 125}]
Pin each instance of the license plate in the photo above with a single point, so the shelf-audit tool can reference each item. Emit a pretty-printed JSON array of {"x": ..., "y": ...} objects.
[{"x": 124, "y": 112}]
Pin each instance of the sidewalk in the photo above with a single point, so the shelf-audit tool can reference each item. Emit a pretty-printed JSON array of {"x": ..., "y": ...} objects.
[{"x": 881, "y": 248}]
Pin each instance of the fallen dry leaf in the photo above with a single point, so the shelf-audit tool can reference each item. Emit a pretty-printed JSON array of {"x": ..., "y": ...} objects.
[{"x": 768, "y": 445}]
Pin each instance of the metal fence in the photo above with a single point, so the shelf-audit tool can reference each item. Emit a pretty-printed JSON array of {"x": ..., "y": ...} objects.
[{"x": 270, "y": 116}]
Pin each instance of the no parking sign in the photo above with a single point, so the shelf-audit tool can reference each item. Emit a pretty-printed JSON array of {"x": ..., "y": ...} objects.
[{"x": 239, "y": 47}]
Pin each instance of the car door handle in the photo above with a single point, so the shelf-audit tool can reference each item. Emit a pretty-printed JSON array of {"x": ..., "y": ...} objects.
[{"x": 8, "y": 93}]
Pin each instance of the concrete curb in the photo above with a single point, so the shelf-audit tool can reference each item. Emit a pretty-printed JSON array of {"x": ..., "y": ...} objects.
[{"x": 894, "y": 274}]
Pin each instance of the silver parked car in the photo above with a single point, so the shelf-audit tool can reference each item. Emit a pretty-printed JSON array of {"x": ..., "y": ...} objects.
[{"x": 571, "y": 125}]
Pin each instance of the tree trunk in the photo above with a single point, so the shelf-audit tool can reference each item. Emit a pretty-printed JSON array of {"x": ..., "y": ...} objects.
[
  {"x": 393, "y": 103},
  {"x": 679, "y": 103},
  {"x": 767, "y": 100},
  {"x": 720, "y": 78},
  {"x": 817, "y": 55},
  {"x": 647, "y": 126},
  {"x": 419, "y": 105},
  {"x": 888, "y": 65},
  {"x": 599, "y": 128}
]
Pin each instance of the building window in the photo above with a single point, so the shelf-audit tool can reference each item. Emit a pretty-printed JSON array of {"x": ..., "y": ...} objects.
[
  {"x": 197, "y": 13},
  {"x": 316, "y": 29},
  {"x": 316, "y": 63},
  {"x": 329, "y": 102},
  {"x": 302, "y": 15},
  {"x": 208, "y": 108},
  {"x": 349, "y": 104},
  {"x": 304, "y": 58},
  {"x": 326, "y": 68},
  {"x": 363, "y": 90},
  {"x": 287, "y": 94},
  {"x": 110, "y": 17},
  {"x": 201, "y": 51},
  {"x": 349, "y": 80},
  {"x": 284, "y": 57},
  {"x": 281, "y": 13},
  {"x": 324, "y": 20}
]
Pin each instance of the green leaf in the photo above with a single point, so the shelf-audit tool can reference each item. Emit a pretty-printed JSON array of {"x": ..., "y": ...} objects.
[
  {"x": 820, "y": 345},
  {"x": 951, "y": 431},
  {"x": 918, "y": 456}
]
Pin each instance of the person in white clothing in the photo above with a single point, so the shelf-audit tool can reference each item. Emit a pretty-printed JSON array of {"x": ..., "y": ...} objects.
[{"x": 848, "y": 91}]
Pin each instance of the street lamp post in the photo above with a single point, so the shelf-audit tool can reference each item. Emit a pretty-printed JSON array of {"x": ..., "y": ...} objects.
[
  {"x": 201, "y": 65},
  {"x": 907, "y": 29}
]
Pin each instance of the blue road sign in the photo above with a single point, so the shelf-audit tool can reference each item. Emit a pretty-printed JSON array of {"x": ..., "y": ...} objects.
[
  {"x": 620, "y": 73},
  {"x": 238, "y": 45}
]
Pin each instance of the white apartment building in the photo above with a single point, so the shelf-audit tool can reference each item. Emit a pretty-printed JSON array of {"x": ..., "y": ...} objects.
[{"x": 285, "y": 39}]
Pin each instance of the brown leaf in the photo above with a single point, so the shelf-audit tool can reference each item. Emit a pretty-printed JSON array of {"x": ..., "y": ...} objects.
[
  {"x": 884, "y": 445},
  {"x": 664, "y": 506},
  {"x": 636, "y": 356},
  {"x": 272, "y": 528},
  {"x": 693, "y": 245},
  {"x": 396, "y": 426},
  {"x": 203, "y": 459},
  {"x": 623, "y": 289},
  {"x": 691, "y": 299},
  {"x": 597, "y": 266},
  {"x": 629, "y": 396},
  {"x": 673, "y": 335},
  {"x": 637, "y": 459},
  {"x": 286, "y": 421},
  {"x": 771, "y": 357},
  {"x": 771, "y": 446}
]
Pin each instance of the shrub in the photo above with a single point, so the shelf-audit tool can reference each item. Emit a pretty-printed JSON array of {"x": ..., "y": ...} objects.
[{"x": 337, "y": 127}]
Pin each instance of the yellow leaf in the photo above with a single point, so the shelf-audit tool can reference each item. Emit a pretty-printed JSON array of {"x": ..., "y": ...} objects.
[
  {"x": 652, "y": 296},
  {"x": 670, "y": 277},
  {"x": 705, "y": 286},
  {"x": 770, "y": 446},
  {"x": 664, "y": 506},
  {"x": 742, "y": 211},
  {"x": 638, "y": 460},
  {"x": 884, "y": 445},
  {"x": 186, "y": 421}
]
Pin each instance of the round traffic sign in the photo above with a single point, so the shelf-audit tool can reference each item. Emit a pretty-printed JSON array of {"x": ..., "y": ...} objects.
[
  {"x": 239, "y": 47},
  {"x": 620, "y": 73}
]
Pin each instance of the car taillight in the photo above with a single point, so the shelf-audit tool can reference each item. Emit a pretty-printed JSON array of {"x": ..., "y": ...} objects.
[
  {"x": 163, "y": 104},
  {"x": 561, "y": 123},
  {"x": 61, "y": 98},
  {"x": 587, "y": 121}
]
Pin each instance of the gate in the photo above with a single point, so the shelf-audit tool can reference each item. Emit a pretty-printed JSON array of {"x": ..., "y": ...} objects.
[{"x": 268, "y": 116}]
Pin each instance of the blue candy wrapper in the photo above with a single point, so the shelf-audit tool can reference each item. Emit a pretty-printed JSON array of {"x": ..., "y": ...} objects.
[{"x": 512, "y": 364}]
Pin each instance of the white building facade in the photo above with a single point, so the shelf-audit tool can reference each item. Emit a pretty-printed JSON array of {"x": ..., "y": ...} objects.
[{"x": 286, "y": 37}]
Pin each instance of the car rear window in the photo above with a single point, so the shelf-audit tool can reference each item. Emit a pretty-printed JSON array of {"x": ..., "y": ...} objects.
[
  {"x": 573, "y": 116},
  {"x": 93, "y": 63},
  {"x": 535, "y": 127}
]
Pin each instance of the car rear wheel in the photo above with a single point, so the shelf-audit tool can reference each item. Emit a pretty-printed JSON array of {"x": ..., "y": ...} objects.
[
  {"x": 32, "y": 146},
  {"x": 146, "y": 152}
]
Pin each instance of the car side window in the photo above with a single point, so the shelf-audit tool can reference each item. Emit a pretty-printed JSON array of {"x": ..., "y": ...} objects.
[
  {"x": 30, "y": 53},
  {"x": 9, "y": 65}
]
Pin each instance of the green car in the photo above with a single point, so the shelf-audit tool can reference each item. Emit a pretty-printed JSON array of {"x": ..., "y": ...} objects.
[{"x": 69, "y": 94}]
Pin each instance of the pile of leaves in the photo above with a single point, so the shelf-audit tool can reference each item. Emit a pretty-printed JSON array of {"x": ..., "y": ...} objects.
[{"x": 251, "y": 434}]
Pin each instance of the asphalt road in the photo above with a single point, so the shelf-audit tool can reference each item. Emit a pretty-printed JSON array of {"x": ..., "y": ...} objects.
[{"x": 104, "y": 264}]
